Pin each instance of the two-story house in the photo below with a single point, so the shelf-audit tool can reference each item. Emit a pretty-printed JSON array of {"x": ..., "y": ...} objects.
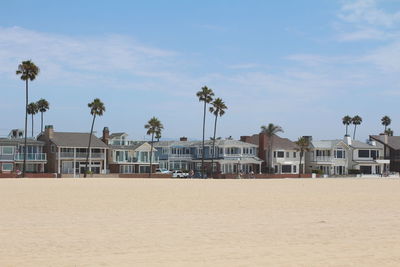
[
  {"x": 332, "y": 157},
  {"x": 280, "y": 153},
  {"x": 368, "y": 157},
  {"x": 12, "y": 151},
  {"x": 391, "y": 148},
  {"x": 231, "y": 156},
  {"x": 67, "y": 152},
  {"x": 126, "y": 156}
]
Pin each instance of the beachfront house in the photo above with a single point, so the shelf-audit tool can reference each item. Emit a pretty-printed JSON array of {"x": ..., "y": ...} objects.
[
  {"x": 339, "y": 157},
  {"x": 126, "y": 156},
  {"x": 67, "y": 151},
  {"x": 284, "y": 154},
  {"x": 12, "y": 154},
  {"x": 231, "y": 156},
  {"x": 391, "y": 150}
]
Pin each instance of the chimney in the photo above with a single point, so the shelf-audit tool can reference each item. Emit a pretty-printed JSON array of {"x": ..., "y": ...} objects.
[
  {"x": 183, "y": 139},
  {"x": 347, "y": 140},
  {"x": 106, "y": 135},
  {"x": 245, "y": 139},
  {"x": 49, "y": 131}
]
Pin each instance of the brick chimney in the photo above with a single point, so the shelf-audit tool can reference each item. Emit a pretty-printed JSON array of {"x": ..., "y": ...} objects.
[
  {"x": 49, "y": 131},
  {"x": 183, "y": 138},
  {"x": 245, "y": 139},
  {"x": 106, "y": 135}
]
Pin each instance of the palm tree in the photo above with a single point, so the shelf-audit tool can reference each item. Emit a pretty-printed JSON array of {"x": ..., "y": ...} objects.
[
  {"x": 357, "y": 120},
  {"x": 270, "y": 131},
  {"x": 205, "y": 95},
  {"x": 303, "y": 144},
  {"x": 27, "y": 71},
  {"x": 43, "y": 106},
  {"x": 32, "y": 110},
  {"x": 389, "y": 132},
  {"x": 153, "y": 127},
  {"x": 386, "y": 121},
  {"x": 218, "y": 109},
  {"x": 346, "y": 121},
  {"x": 97, "y": 108}
]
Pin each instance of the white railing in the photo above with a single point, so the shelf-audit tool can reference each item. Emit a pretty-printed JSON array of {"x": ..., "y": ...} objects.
[
  {"x": 30, "y": 156},
  {"x": 81, "y": 155}
]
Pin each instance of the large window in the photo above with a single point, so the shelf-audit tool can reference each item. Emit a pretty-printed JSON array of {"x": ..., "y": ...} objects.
[
  {"x": 280, "y": 154},
  {"x": 340, "y": 154},
  {"x": 7, "y": 150},
  {"x": 374, "y": 154},
  {"x": 7, "y": 167},
  {"x": 286, "y": 168},
  {"x": 363, "y": 153}
]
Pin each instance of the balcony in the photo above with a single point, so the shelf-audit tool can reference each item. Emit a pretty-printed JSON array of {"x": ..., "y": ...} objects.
[
  {"x": 81, "y": 155},
  {"x": 323, "y": 158},
  {"x": 31, "y": 156}
]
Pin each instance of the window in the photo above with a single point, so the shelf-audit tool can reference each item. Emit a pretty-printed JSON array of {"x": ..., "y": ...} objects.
[
  {"x": 294, "y": 155},
  {"x": 7, "y": 167},
  {"x": 7, "y": 150},
  {"x": 339, "y": 154},
  {"x": 276, "y": 168},
  {"x": 286, "y": 168},
  {"x": 281, "y": 154},
  {"x": 374, "y": 154},
  {"x": 53, "y": 148},
  {"x": 294, "y": 168},
  {"x": 363, "y": 153},
  {"x": 274, "y": 154}
]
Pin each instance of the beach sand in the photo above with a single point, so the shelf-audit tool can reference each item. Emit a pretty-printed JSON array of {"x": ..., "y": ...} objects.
[{"x": 139, "y": 222}]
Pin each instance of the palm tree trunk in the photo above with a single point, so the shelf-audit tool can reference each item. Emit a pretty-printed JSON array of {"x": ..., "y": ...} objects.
[
  {"x": 151, "y": 153},
  {"x": 385, "y": 129},
  {"x": 270, "y": 156},
  {"x": 354, "y": 134},
  {"x": 300, "y": 169},
  {"x": 88, "y": 149},
  {"x": 41, "y": 122},
  {"x": 32, "y": 125},
  {"x": 204, "y": 126},
  {"x": 26, "y": 127},
  {"x": 213, "y": 154}
]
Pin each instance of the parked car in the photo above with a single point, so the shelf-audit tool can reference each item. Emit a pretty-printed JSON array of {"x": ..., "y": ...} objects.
[
  {"x": 162, "y": 170},
  {"x": 179, "y": 174}
]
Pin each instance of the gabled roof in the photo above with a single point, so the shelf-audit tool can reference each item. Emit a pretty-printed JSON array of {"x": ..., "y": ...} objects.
[
  {"x": 277, "y": 142},
  {"x": 221, "y": 142},
  {"x": 68, "y": 139},
  {"x": 132, "y": 146},
  {"x": 328, "y": 144},
  {"x": 358, "y": 144},
  {"x": 392, "y": 141},
  {"x": 20, "y": 141},
  {"x": 114, "y": 135}
]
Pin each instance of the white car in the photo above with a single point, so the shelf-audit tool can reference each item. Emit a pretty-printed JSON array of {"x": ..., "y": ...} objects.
[
  {"x": 179, "y": 174},
  {"x": 162, "y": 170}
]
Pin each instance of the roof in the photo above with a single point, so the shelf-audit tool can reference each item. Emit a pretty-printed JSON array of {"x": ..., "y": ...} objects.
[
  {"x": 392, "y": 141},
  {"x": 326, "y": 143},
  {"x": 20, "y": 141},
  {"x": 113, "y": 135},
  {"x": 358, "y": 144},
  {"x": 129, "y": 147},
  {"x": 277, "y": 142},
  {"x": 221, "y": 142},
  {"x": 76, "y": 140}
]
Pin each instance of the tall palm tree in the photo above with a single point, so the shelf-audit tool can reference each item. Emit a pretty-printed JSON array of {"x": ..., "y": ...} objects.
[
  {"x": 303, "y": 144},
  {"x": 270, "y": 131},
  {"x": 97, "y": 108},
  {"x": 357, "y": 120},
  {"x": 32, "y": 110},
  {"x": 43, "y": 106},
  {"x": 386, "y": 121},
  {"x": 346, "y": 120},
  {"x": 205, "y": 95},
  {"x": 153, "y": 127},
  {"x": 218, "y": 109},
  {"x": 27, "y": 71}
]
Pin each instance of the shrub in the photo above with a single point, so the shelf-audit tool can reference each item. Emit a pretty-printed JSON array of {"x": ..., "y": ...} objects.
[
  {"x": 354, "y": 171},
  {"x": 319, "y": 172}
]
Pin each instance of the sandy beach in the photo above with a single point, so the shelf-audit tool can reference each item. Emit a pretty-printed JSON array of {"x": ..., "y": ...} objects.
[{"x": 139, "y": 222}]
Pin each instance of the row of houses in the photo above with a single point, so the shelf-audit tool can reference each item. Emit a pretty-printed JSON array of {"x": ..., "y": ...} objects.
[{"x": 65, "y": 153}]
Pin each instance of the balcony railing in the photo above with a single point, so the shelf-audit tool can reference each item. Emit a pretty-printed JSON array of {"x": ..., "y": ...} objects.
[
  {"x": 31, "y": 156},
  {"x": 323, "y": 158},
  {"x": 81, "y": 155}
]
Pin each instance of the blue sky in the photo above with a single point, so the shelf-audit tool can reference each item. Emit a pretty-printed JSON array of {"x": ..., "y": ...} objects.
[{"x": 299, "y": 64}]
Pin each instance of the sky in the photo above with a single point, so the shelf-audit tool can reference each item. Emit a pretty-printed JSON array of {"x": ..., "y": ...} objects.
[{"x": 302, "y": 65}]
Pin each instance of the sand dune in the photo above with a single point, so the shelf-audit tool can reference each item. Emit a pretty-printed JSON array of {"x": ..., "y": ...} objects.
[{"x": 138, "y": 222}]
